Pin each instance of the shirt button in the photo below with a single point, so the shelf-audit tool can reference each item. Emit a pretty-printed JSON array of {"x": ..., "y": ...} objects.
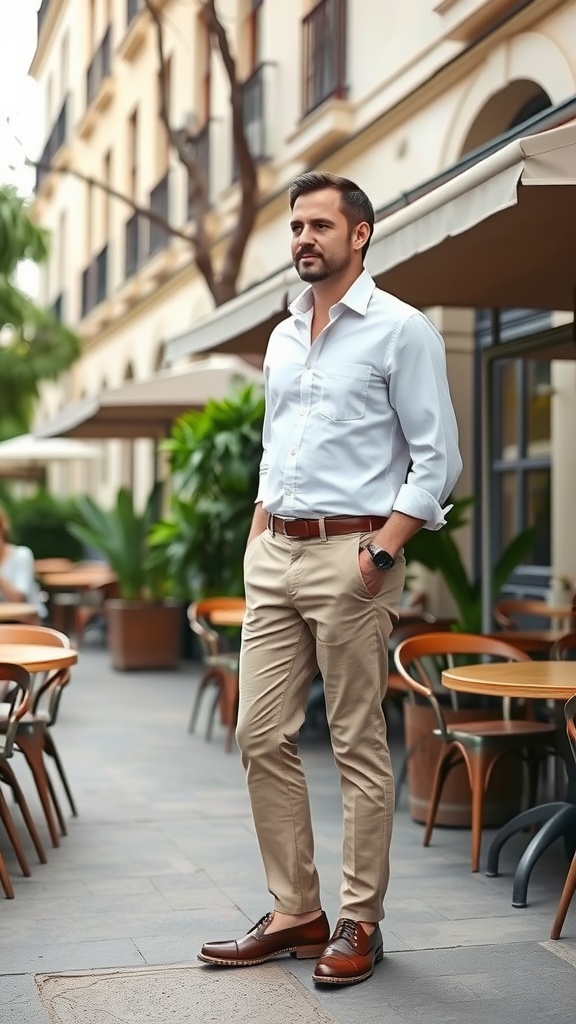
[
  {"x": 302, "y": 412},
  {"x": 293, "y": 452},
  {"x": 308, "y": 366}
]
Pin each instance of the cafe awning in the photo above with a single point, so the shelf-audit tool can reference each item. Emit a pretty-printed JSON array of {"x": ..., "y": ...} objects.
[
  {"x": 243, "y": 324},
  {"x": 148, "y": 408},
  {"x": 501, "y": 234}
]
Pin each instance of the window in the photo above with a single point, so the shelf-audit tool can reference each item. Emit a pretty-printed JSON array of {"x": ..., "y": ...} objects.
[
  {"x": 522, "y": 453},
  {"x": 324, "y": 53},
  {"x": 133, "y": 154}
]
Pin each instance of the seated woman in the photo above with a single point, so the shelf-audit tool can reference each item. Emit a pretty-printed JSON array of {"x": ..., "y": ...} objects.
[{"x": 17, "y": 580}]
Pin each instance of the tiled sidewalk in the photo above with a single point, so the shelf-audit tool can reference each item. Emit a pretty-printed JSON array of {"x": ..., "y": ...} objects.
[{"x": 163, "y": 856}]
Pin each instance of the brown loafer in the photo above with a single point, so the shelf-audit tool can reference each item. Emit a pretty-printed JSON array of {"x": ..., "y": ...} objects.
[
  {"x": 350, "y": 955},
  {"x": 304, "y": 941}
]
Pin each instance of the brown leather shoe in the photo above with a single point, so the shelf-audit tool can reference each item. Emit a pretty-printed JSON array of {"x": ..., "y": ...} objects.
[
  {"x": 350, "y": 955},
  {"x": 304, "y": 941}
]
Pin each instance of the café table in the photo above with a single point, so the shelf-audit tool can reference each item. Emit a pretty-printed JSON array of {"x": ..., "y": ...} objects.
[
  {"x": 531, "y": 641},
  {"x": 68, "y": 587},
  {"x": 227, "y": 617},
  {"x": 548, "y": 680},
  {"x": 18, "y": 611}
]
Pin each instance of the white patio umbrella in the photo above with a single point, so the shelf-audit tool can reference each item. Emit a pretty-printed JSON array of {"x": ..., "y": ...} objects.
[{"x": 25, "y": 455}]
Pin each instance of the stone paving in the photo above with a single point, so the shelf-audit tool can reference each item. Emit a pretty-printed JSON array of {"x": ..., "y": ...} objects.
[{"x": 163, "y": 856}]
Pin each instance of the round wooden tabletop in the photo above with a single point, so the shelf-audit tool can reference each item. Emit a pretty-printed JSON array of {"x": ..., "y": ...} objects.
[
  {"x": 538, "y": 679},
  {"x": 78, "y": 579},
  {"x": 37, "y": 657},
  {"x": 12, "y": 610},
  {"x": 227, "y": 617}
]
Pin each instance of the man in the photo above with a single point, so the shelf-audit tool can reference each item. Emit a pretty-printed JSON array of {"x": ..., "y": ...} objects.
[{"x": 359, "y": 452}]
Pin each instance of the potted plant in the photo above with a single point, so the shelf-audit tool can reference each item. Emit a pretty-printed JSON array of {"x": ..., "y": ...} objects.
[
  {"x": 214, "y": 460},
  {"x": 143, "y": 623}
]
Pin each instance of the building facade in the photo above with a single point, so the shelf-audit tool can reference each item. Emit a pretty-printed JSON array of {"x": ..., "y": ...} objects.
[{"x": 393, "y": 95}]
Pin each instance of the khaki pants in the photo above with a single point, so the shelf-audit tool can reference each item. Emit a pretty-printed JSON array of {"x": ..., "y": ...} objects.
[{"x": 308, "y": 608}]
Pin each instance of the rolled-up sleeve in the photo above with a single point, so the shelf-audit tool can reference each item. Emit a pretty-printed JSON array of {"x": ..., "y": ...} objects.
[{"x": 419, "y": 393}]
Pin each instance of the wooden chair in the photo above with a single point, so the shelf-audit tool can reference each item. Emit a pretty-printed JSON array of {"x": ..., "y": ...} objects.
[
  {"x": 478, "y": 744},
  {"x": 564, "y": 649},
  {"x": 509, "y": 612},
  {"x": 220, "y": 665},
  {"x": 570, "y": 883},
  {"x": 34, "y": 737},
  {"x": 14, "y": 704}
]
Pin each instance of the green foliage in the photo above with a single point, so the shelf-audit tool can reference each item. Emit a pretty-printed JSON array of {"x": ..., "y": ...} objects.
[
  {"x": 214, "y": 456},
  {"x": 121, "y": 534},
  {"x": 42, "y": 523},
  {"x": 37, "y": 346},
  {"x": 437, "y": 551}
]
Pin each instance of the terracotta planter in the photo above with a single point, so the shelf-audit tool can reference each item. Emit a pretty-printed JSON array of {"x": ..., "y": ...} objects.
[
  {"x": 504, "y": 796},
  {"x": 143, "y": 635}
]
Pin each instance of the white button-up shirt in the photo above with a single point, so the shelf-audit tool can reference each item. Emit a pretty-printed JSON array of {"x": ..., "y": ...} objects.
[{"x": 360, "y": 421}]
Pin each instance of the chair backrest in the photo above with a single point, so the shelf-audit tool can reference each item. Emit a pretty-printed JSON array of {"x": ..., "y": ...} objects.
[
  {"x": 14, "y": 703},
  {"x": 564, "y": 649},
  {"x": 410, "y": 658},
  {"x": 509, "y": 611},
  {"x": 570, "y": 713},
  {"x": 211, "y": 642},
  {"x": 50, "y": 689},
  {"x": 44, "y": 635}
]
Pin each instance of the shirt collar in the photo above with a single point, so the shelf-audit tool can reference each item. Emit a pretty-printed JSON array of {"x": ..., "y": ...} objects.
[{"x": 356, "y": 298}]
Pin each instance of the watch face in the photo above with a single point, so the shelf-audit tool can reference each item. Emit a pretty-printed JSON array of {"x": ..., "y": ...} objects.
[{"x": 381, "y": 558}]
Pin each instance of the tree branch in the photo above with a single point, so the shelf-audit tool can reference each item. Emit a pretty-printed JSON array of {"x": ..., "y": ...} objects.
[
  {"x": 143, "y": 211},
  {"x": 246, "y": 164}
]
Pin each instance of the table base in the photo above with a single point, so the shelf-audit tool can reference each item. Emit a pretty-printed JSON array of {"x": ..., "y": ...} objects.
[{"x": 557, "y": 819}]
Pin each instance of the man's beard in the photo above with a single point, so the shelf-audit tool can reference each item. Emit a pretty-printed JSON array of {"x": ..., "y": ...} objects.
[{"x": 322, "y": 269}]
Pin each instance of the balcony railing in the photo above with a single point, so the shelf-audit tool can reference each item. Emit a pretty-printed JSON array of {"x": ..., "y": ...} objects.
[
  {"x": 324, "y": 53},
  {"x": 133, "y": 244},
  {"x": 95, "y": 281},
  {"x": 99, "y": 68},
  {"x": 160, "y": 204},
  {"x": 58, "y": 136},
  {"x": 200, "y": 145}
]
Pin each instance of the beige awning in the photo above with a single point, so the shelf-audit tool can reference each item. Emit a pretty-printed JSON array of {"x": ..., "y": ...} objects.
[
  {"x": 148, "y": 408},
  {"x": 501, "y": 234},
  {"x": 243, "y": 324}
]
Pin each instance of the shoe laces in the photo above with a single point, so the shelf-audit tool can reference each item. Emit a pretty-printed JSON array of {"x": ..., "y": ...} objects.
[{"x": 346, "y": 929}]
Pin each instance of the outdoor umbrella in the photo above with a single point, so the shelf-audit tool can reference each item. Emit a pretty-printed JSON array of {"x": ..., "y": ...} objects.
[
  {"x": 148, "y": 408},
  {"x": 27, "y": 456}
]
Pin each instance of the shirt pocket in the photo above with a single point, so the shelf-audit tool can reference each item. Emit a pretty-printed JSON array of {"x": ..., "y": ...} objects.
[{"x": 343, "y": 392}]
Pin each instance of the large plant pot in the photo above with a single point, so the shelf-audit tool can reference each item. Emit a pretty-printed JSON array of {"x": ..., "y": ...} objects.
[
  {"x": 143, "y": 635},
  {"x": 504, "y": 796}
]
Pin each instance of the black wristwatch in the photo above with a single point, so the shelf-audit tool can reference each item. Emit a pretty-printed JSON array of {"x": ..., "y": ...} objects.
[{"x": 382, "y": 559}]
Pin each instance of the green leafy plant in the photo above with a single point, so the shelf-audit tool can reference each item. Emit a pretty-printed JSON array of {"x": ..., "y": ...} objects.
[
  {"x": 35, "y": 345},
  {"x": 42, "y": 522},
  {"x": 122, "y": 535},
  {"x": 438, "y": 552},
  {"x": 214, "y": 457}
]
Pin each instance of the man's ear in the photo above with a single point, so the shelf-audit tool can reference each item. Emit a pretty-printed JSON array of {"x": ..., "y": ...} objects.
[{"x": 361, "y": 235}]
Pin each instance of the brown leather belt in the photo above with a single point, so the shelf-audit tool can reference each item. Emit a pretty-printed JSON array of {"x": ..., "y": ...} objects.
[{"x": 329, "y": 526}]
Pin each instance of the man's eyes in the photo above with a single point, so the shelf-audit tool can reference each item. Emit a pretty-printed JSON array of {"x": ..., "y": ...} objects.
[{"x": 320, "y": 225}]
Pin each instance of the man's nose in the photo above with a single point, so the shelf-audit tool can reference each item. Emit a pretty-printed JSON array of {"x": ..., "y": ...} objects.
[{"x": 306, "y": 236}]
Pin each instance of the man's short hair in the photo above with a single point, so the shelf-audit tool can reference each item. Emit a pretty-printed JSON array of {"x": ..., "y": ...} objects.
[{"x": 356, "y": 206}]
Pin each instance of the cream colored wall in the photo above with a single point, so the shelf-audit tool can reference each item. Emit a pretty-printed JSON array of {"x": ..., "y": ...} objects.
[{"x": 411, "y": 109}]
